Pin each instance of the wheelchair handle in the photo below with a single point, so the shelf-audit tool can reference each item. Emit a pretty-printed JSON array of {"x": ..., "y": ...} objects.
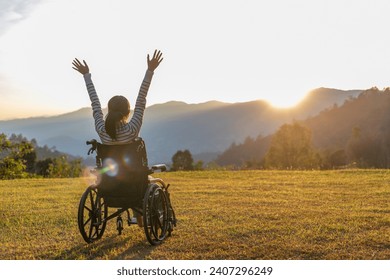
[
  {"x": 92, "y": 142},
  {"x": 161, "y": 167}
]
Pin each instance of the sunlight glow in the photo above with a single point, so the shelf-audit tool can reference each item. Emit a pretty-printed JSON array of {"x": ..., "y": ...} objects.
[
  {"x": 284, "y": 102},
  {"x": 285, "y": 97}
]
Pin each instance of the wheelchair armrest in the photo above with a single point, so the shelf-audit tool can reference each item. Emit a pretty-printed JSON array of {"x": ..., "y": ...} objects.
[{"x": 161, "y": 167}]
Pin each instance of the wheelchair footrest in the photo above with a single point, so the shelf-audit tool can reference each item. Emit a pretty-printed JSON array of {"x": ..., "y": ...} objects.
[{"x": 132, "y": 221}]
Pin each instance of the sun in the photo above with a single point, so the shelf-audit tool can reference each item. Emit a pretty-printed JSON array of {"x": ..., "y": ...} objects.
[{"x": 284, "y": 101}]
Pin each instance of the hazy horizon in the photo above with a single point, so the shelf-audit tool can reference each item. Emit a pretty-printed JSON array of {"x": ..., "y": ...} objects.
[
  {"x": 104, "y": 106},
  {"x": 230, "y": 51},
  {"x": 147, "y": 106}
]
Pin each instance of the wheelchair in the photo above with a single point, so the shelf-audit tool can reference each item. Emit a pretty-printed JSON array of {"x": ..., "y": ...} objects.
[{"x": 124, "y": 182}]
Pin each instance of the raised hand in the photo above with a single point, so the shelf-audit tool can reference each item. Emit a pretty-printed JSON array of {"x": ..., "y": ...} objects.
[
  {"x": 78, "y": 66},
  {"x": 155, "y": 61}
]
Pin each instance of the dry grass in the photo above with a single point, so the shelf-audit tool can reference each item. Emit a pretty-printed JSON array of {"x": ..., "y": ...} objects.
[{"x": 222, "y": 215}]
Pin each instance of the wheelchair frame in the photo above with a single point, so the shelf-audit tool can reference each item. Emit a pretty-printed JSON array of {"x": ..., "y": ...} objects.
[{"x": 158, "y": 215}]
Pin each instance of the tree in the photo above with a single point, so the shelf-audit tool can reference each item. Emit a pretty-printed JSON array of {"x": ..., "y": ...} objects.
[
  {"x": 13, "y": 157},
  {"x": 182, "y": 160},
  {"x": 12, "y": 169},
  {"x": 291, "y": 149},
  {"x": 248, "y": 155},
  {"x": 198, "y": 165},
  {"x": 334, "y": 159},
  {"x": 28, "y": 155},
  {"x": 367, "y": 150},
  {"x": 62, "y": 168},
  {"x": 42, "y": 167}
]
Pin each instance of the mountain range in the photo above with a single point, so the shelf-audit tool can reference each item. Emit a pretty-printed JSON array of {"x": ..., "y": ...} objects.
[{"x": 206, "y": 129}]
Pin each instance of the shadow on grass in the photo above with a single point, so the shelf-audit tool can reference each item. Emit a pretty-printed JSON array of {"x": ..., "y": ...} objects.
[{"x": 110, "y": 247}]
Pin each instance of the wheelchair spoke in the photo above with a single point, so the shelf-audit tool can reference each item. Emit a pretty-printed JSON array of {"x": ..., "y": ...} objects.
[
  {"x": 87, "y": 221},
  {"x": 90, "y": 231},
  {"x": 159, "y": 223},
  {"x": 96, "y": 231},
  {"x": 91, "y": 199},
  {"x": 96, "y": 203}
]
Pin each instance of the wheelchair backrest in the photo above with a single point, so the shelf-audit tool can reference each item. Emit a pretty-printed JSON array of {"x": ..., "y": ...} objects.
[
  {"x": 123, "y": 158},
  {"x": 123, "y": 171}
]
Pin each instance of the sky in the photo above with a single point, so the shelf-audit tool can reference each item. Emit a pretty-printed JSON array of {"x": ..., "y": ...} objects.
[{"x": 225, "y": 50}]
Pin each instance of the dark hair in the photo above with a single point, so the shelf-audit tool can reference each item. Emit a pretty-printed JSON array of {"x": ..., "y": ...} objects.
[{"x": 118, "y": 108}]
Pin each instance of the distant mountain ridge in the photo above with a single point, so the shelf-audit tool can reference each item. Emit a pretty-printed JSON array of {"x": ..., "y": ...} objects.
[
  {"x": 355, "y": 134},
  {"x": 205, "y": 129},
  {"x": 369, "y": 114}
]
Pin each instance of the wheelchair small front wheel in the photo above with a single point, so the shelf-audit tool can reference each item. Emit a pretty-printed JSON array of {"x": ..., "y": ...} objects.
[
  {"x": 172, "y": 220},
  {"x": 119, "y": 225},
  {"x": 155, "y": 214},
  {"x": 92, "y": 215}
]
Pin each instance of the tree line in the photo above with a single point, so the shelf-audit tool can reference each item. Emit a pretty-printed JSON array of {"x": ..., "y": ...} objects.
[
  {"x": 291, "y": 148},
  {"x": 23, "y": 158}
]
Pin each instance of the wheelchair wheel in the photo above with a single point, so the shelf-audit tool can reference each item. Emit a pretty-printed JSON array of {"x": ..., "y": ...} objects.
[
  {"x": 92, "y": 215},
  {"x": 155, "y": 214}
]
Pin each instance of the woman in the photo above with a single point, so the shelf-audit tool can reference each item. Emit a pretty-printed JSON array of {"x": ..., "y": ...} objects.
[{"x": 116, "y": 129}]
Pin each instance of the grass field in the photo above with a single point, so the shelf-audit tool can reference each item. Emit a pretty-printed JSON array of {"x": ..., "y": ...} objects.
[{"x": 221, "y": 215}]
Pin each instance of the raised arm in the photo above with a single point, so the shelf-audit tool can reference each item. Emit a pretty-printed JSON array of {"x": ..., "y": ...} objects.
[
  {"x": 95, "y": 103},
  {"x": 136, "y": 120}
]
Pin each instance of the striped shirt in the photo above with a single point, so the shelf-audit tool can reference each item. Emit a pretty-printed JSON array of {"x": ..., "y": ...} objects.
[{"x": 125, "y": 132}]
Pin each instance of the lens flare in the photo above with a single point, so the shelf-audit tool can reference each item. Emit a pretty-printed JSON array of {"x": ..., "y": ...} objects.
[
  {"x": 110, "y": 167},
  {"x": 127, "y": 160}
]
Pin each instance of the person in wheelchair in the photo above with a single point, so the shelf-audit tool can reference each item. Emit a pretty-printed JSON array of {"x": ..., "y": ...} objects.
[{"x": 116, "y": 128}]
